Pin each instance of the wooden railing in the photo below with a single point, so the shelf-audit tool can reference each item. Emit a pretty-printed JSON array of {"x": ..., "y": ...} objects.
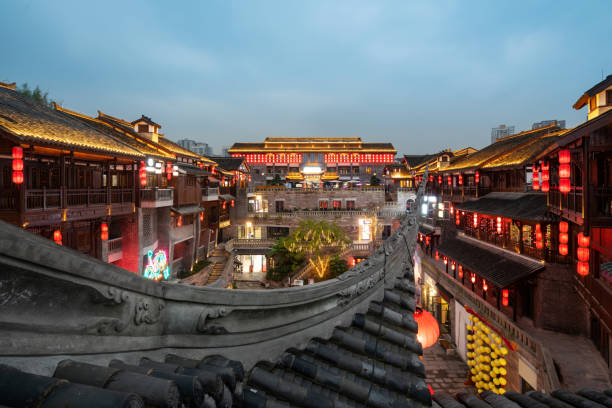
[
  {"x": 571, "y": 201},
  {"x": 115, "y": 245},
  {"x": 210, "y": 193},
  {"x": 43, "y": 199},
  {"x": 157, "y": 194}
]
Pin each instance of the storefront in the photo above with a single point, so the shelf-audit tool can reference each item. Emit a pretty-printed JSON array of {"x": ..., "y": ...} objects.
[{"x": 253, "y": 263}]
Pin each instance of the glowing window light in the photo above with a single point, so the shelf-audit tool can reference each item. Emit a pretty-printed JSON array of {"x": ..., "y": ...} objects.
[
  {"x": 475, "y": 220},
  {"x": 424, "y": 209},
  {"x": 157, "y": 266}
]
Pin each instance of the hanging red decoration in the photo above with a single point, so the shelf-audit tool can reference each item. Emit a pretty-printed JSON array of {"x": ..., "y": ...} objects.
[
  {"x": 564, "y": 171},
  {"x": 452, "y": 266},
  {"x": 201, "y": 216},
  {"x": 583, "y": 254},
  {"x": 563, "y": 226},
  {"x": 563, "y": 249},
  {"x": 233, "y": 203},
  {"x": 445, "y": 261},
  {"x": 485, "y": 287},
  {"x": 17, "y": 152},
  {"x": 104, "y": 231},
  {"x": 473, "y": 278},
  {"x": 545, "y": 186},
  {"x": 427, "y": 240},
  {"x": 565, "y": 185},
  {"x": 477, "y": 177},
  {"x": 460, "y": 272},
  {"x": 505, "y": 297},
  {"x": 584, "y": 240},
  {"x": 457, "y": 219},
  {"x": 583, "y": 268},
  {"x": 17, "y": 177},
  {"x": 563, "y": 238},
  {"x": 431, "y": 178},
  {"x": 460, "y": 179},
  {"x": 428, "y": 330},
  {"x": 57, "y": 237},
  {"x": 475, "y": 220},
  {"x": 439, "y": 179},
  {"x": 452, "y": 209},
  {"x": 536, "y": 178},
  {"x": 564, "y": 156},
  {"x": 499, "y": 225},
  {"x": 142, "y": 174},
  {"x": 17, "y": 165},
  {"x": 179, "y": 221},
  {"x": 437, "y": 256},
  {"x": 169, "y": 171},
  {"x": 449, "y": 180}
]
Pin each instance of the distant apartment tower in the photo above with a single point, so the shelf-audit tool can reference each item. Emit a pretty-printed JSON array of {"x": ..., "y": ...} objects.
[
  {"x": 200, "y": 148},
  {"x": 544, "y": 123},
  {"x": 225, "y": 151},
  {"x": 501, "y": 131}
]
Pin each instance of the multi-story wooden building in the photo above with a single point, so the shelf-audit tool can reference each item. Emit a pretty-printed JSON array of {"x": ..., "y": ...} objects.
[{"x": 316, "y": 160}]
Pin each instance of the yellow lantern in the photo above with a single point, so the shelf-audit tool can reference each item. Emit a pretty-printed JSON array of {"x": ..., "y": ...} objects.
[
  {"x": 493, "y": 355},
  {"x": 502, "y": 362},
  {"x": 503, "y": 381},
  {"x": 502, "y": 391},
  {"x": 503, "y": 350},
  {"x": 495, "y": 381},
  {"x": 503, "y": 371}
]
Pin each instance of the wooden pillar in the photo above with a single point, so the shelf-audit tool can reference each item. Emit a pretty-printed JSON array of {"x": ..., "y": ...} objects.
[
  {"x": 586, "y": 188},
  {"x": 63, "y": 181}
]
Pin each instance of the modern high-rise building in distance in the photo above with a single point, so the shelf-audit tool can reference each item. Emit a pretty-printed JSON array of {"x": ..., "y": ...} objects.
[
  {"x": 537, "y": 125},
  {"x": 197, "y": 147},
  {"x": 501, "y": 131}
]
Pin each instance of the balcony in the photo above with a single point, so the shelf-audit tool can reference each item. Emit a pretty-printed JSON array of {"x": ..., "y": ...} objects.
[
  {"x": 114, "y": 249},
  {"x": 47, "y": 199},
  {"x": 210, "y": 193},
  {"x": 568, "y": 205},
  {"x": 156, "y": 197},
  {"x": 602, "y": 201}
]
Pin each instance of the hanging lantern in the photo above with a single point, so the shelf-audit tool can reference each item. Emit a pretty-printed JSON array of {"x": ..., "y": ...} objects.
[
  {"x": 202, "y": 216},
  {"x": 439, "y": 179},
  {"x": 445, "y": 261},
  {"x": 104, "y": 231},
  {"x": 17, "y": 177},
  {"x": 428, "y": 330},
  {"x": 437, "y": 256},
  {"x": 17, "y": 152},
  {"x": 143, "y": 174},
  {"x": 232, "y": 203},
  {"x": 420, "y": 237},
  {"x": 460, "y": 272},
  {"x": 431, "y": 178},
  {"x": 475, "y": 220},
  {"x": 563, "y": 226},
  {"x": 460, "y": 180},
  {"x": 565, "y": 185},
  {"x": 485, "y": 287},
  {"x": 169, "y": 171},
  {"x": 457, "y": 219},
  {"x": 545, "y": 186},
  {"x": 452, "y": 266},
  {"x": 17, "y": 164},
  {"x": 583, "y": 268},
  {"x": 563, "y": 237},
  {"x": 564, "y": 156},
  {"x": 179, "y": 221},
  {"x": 583, "y": 254},
  {"x": 536, "y": 178},
  {"x": 505, "y": 297},
  {"x": 583, "y": 240},
  {"x": 449, "y": 180},
  {"x": 57, "y": 237},
  {"x": 563, "y": 249},
  {"x": 473, "y": 278},
  {"x": 452, "y": 209},
  {"x": 427, "y": 240},
  {"x": 499, "y": 225},
  {"x": 477, "y": 177},
  {"x": 564, "y": 171}
]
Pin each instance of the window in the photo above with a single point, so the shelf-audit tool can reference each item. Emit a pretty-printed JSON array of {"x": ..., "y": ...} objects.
[
  {"x": 337, "y": 204},
  {"x": 592, "y": 103},
  {"x": 143, "y": 128},
  {"x": 279, "y": 205},
  {"x": 356, "y": 170},
  {"x": 270, "y": 169},
  {"x": 609, "y": 97},
  {"x": 323, "y": 204},
  {"x": 350, "y": 204}
]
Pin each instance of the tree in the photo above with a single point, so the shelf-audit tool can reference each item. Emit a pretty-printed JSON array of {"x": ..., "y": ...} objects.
[
  {"x": 35, "y": 94},
  {"x": 337, "y": 267},
  {"x": 277, "y": 180},
  {"x": 318, "y": 241},
  {"x": 374, "y": 181},
  {"x": 285, "y": 262}
]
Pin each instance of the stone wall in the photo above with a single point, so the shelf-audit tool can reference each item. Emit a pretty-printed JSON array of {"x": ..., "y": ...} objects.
[{"x": 366, "y": 198}]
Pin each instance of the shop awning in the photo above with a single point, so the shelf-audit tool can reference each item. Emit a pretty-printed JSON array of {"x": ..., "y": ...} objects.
[
  {"x": 500, "y": 267},
  {"x": 193, "y": 170},
  {"x": 187, "y": 210},
  {"x": 517, "y": 206}
]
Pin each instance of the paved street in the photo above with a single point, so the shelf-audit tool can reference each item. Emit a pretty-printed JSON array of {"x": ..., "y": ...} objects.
[{"x": 444, "y": 372}]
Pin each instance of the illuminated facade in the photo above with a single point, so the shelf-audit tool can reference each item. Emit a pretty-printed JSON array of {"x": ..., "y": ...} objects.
[{"x": 314, "y": 161}]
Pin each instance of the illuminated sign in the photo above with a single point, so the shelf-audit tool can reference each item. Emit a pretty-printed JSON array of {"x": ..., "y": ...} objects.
[
  {"x": 157, "y": 266},
  {"x": 312, "y": 170}
]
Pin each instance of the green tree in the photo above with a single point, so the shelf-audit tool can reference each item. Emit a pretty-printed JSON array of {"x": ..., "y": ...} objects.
[
  {"x": 285, "y": 262},
  {"x": 337, "y": 267},
  {"x": 374, "y": 181},
  {"x": 277, "y": 180},
  {"x": 35, "y": 94},
  {"x": 318, "y": 241}
]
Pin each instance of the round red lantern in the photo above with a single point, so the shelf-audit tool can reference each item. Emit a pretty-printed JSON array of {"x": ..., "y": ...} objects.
[
  {"x": 564, "y": 171},
  {"x": 437, "y": 256},
  {"x": 545, "y": 186},
  {"x": 473, "y": 278},
  {"x": 431, "y": 178},
  {"x": 57, "y": 237},
  {"x": 17, "y": 152},
  {"x": 201, "y": 216},
  {"x": 565, "y": 185},
  {"x": 104, "y": 231},
  {"x": 445, "y": 261},
  {"x": 583, "y": 254},
  {"x": 475, "y": 220},
  {"x": 457, "y": 219},
  {"x": 583, "y": 241},
  {"x": 460, "y": 271},
  {"x": 17, "y": 164},
  {"x": 563, "y": 250},
  {"x": 460, "y": 181},
  {"x": 564, "y": 156},
  {"x": 563, "y": 238},
  {"x": 505, "y": 301},
  {"x": 232, "y": 203},
  {"x": 179, "y": 221},
  {"x": 583, "y": 268},
  {"x": 485, "y": 287},
  {"x": 477, "y": 177},
  {"x": 452, "y": 266},
  {"x": 505, "y": 293},
  {"x": 439, "y": 179},
  {"x": 448, "y": 180},
  {"x": 539, "y": 244},
  {"x": 18, "y": 177},
  {"x": 563, "y": 226},
  {"x": 428, "y": 331}
]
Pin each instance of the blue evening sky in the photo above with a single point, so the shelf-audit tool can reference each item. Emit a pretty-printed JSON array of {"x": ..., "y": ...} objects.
[{"x": 424, "y": 75}]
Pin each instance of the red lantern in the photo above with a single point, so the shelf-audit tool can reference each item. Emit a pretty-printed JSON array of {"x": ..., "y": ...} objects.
[
  {"x": 457, "y": 219},
  {"x": 445, "y": 261},
  {"x": 563, "y": 238},
  {"x": 583, "y": 241},
  {"x": 583, "y": 254},
  {"x": 563, "y": 249},
  {"x": 485, "y": 287},
  {"x": 473, "y": 278},
  {"x": 564, "y": 156},
  {"x": 169, "y": 171},
  {"x": 431, "y": 178},
  {"x": 449, "y": 180},
  {"x": 460, "y": 271},
  {"x": 460, "y": 181},
  {"x": 17, "y": 177},
  {"x": 437, "y": 256},
  {"x": 475, "y": 220},
  {"x": 232, "y": 203},
  {"x": 477, "y": 177},
  {"x": 564, "y": 171},
  {"x": 427, "y": 240},
  {"x": 583, "y": 268},
  {"x": 201, "y": 216},
  {"x": 104, "y": 231},
  {"x": 179, "y": 221},
  {"x": 428, "y": 331},
  {"x": 565, "y": 185},
  {"x": 505, "y": 293},
  {"x": 539, "y": 244},
  {"x": 563, "y": 226},
  {"x": 17, "y": 152},
  {"x": 17, "y": 165},
  {"x": 439, "y": 179},
  {"x": 453, "y": 266},
  {"x": 504, "y": 301},
  {"x": 57, "y": 237},
  {"x": 143, "y": 174},
  {"x": 536, "y": 178},
  {"x": 545, "y": 186},
  {"x": 499, "y": 225}
]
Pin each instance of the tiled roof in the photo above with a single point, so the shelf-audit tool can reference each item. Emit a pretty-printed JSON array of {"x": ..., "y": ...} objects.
[
  {"x": 498, "y": 266},
  {"x": 228, "y": 163},
  {"x": 148, "y": 149},
  {"x": 32, "y": 122},
  {"x": 584, "y": 398},
  {"x": 146, "y": 119},
  {"x": 525, "y": 154},
  {"x": 517, "y": 206},
  {"x": 415, "y": 160},
  {"x": 500, "y": 147},
  {"x": 261, "y": 147}
]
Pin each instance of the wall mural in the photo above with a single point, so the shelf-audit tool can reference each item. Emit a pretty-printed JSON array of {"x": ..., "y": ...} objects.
[{"x": 157, "y": 265}]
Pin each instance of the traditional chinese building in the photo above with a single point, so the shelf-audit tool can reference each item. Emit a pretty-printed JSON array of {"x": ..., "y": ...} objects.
[{"x": 315, "y": 161}]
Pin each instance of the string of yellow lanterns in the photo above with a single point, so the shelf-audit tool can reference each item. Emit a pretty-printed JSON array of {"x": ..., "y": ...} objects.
[{"x": 486, "y": 357}]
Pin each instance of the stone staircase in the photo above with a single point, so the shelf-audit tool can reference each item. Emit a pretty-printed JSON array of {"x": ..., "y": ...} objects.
[{"x": 219, "y": 258}]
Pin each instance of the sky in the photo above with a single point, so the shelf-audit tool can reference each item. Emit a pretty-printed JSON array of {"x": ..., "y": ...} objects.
[{"x": 424, "y": 75}]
